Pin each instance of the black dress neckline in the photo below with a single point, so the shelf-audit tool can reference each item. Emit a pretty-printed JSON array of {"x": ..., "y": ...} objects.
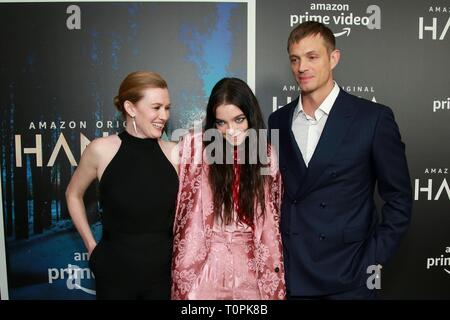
[{"x": 124, "y": 135}]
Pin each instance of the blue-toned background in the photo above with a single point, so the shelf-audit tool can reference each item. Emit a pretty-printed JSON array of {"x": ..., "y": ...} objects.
[{"x": 56, "y": 89}]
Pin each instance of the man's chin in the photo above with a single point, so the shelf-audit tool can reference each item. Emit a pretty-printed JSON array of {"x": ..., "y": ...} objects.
[{"x": 305, "y": 89}]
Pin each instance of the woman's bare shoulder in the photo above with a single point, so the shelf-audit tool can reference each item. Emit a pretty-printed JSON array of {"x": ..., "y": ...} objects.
[
  {"x": 104, "y": 145},
  {"x": 168, "y": 144},
  {"x": 170, "y": 149}
]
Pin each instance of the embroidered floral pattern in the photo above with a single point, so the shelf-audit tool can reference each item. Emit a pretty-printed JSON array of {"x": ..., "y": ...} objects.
[{"x": 268, "y": 283}]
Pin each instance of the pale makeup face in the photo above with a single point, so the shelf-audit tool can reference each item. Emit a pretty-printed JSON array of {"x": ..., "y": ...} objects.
[
  {"x": 312, "y": 64},
  {"x": 232, "y": 123},
  {"x": 151, "y": 113}
]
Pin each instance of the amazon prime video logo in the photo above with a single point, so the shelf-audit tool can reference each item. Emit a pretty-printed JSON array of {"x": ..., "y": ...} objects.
[
  {"x": 341, "y": 16},
  {"x": 440, "y": 262},
  {"x": 74, "y": 275}
]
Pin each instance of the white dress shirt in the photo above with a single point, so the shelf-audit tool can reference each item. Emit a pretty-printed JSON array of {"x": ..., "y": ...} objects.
[{"x": 307, "y": 130}]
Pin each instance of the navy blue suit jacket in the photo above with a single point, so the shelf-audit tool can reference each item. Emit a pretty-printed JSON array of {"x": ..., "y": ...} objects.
[{"x": 330, "y": 227}]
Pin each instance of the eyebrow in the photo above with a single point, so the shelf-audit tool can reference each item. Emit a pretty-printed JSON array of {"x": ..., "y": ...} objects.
[
  {"x": 160, "y": 104},
  {"x": 307, "y": 53},
  {"x": 240, "y": 115}
]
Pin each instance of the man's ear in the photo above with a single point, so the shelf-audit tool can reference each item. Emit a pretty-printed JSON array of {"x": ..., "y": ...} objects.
[
  {"x": 334, "y": 58},
  {"x": 129, "y": 108}
]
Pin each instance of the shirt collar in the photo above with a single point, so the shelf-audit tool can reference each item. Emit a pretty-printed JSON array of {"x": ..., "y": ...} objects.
[{"x": 326, "y": 105}]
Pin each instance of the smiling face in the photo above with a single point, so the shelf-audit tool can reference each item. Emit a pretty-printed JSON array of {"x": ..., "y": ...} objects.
[
  {"x": 151, "y": 113},
  {"x": 232, "y": 123},
  {"x": 312, "y": 65}
]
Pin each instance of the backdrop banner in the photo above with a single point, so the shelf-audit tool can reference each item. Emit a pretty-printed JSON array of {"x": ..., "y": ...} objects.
[{"x": 62, "y": 64}]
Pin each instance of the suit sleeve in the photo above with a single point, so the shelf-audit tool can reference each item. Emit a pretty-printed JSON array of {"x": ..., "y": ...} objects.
[
  {"x": 394, "y": 185},
  {"x": 270, "y": 125}
]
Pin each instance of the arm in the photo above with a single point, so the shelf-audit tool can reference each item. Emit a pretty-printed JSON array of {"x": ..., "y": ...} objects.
[
  {"x": 80, "y": 181},
  {"x": 394, "y": 185},
  {"x": 189, "y": 245},
  {"x": 270, "y": 251},
  {"x": 171, "y": 151}
]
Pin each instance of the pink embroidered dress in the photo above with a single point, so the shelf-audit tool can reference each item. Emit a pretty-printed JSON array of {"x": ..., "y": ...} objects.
[{"x": 216, "y": 261}]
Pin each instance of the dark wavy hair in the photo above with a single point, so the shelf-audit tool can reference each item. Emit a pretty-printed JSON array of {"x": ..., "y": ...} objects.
[{"x": 237, "y": 92}]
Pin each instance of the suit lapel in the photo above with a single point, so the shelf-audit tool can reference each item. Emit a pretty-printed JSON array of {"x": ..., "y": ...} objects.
[
  {"x": 336, "y": 127},
  {"x": 293, "y": 156}
]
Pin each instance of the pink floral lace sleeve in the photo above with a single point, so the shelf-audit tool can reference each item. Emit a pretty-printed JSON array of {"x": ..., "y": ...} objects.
[
  {"x": 189, "y": 248},
  {"x": 269, "y": 250}
]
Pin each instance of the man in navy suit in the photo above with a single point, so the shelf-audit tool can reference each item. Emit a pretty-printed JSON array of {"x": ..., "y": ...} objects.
[{"x": 334, "y": 149}]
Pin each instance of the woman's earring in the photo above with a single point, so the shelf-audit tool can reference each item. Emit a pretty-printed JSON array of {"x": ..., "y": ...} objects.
[{"x": 134, "y": 124}]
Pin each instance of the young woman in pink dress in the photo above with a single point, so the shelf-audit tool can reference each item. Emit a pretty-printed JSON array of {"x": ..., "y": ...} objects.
[{"x": 227, "y": 243}]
